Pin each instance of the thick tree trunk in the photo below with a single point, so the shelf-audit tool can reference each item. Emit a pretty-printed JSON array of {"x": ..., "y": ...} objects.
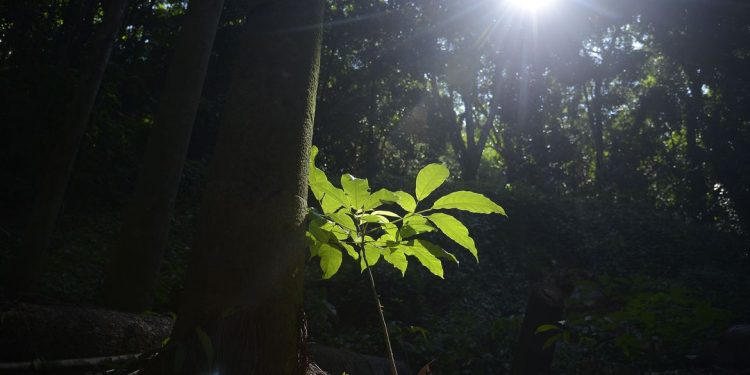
[
  {"x": 26, "y": 266},
  {"x": 242, "y": 309},
  {"x": 133, "y": 274}
]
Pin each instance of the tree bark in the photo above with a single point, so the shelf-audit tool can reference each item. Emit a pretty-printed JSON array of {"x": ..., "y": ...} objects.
[
  {"x": 134, "y": 270},
  {"x": 242, "y": 309},
  {"x": 545, "y": 306},
  {"x": 26, "y": 266}
]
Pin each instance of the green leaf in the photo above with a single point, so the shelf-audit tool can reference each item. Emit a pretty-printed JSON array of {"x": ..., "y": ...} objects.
[
  {"x": 386, "y": 213},
  {"x": 330, "y": 204},
  {"x": 380, "y": 197},
  {"x": 372, "y": 255},
  {"x": 357, "y": 190},
  {"x": 344, "y": 220},
  {"x": 330, "y": 260},
  {"x": 551, "y": 341},
  {"x": 468, "y": 201},
  {"x": 309, "y": 238},
  {"x": 340, "y": 233},
  {"x": 424, "y": 256},
  {"x": 406, "y": 201},
  {"x": 455, "y": 230},
  {"x": 330, "y": 197},
  {"x": 397, "y": 258},
  {"x": 435, "y": 250},
  {"x": 320, "y": 229},
  {"x": 414, "y": 225},
  {"x": 390, "y": 229},
  {"x": 208, "y": 348},
  {"x": 546, "y": 327},
  {"x": 359, "y": 240},
  {"x": 313, "y": 154},
  {"x": 313, "y": 245},
  {"x": 370, "y": 218},
  {"x": 349, "y": 250},
  {"x": 429, "y": 179}
]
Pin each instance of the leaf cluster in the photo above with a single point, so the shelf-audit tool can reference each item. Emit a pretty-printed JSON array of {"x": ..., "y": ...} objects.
[{"x": 351, "y": 220}]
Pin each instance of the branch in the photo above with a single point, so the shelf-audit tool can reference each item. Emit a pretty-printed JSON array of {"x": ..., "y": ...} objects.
[
  {"x": 447, "y": 114},
  {"x": 490, "y": 121}
]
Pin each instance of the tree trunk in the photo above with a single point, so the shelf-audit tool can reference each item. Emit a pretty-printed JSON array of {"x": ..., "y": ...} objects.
[
  {"x": 545, "y": 306},
  {"x": 242, "y": 309},
  {"x": 134, "y": 271},
  {"x": 470, "y": 166},
  {"x": 597, "y": 130},
  {"x": 26, "y": 266},
  {"x": 697, "y": 188}
]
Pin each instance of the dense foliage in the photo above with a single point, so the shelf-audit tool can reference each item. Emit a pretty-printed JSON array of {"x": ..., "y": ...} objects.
[{"x": 616, "y": 135}]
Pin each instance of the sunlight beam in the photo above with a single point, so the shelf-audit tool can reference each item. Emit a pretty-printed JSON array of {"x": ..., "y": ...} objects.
[{"x": 530, "y": 5}]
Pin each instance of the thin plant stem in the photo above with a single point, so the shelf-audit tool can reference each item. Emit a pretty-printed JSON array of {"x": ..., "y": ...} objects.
[{"x": 391, "y": 359}]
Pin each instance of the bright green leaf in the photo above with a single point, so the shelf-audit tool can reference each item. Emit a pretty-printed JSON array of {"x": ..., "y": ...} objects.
[
  {"x": 372, "y": 255},
  {"x": 390, "y": 229},
  {"x": 329, "y": 204},
  {"x": 344, "y": 220},
  {"x": 455, "y": 230},
  {"x": 309, "y": 239},
  {"x": 313, "y": 154},
  {"x": 414, "y": 225},
  {"x": 435, "y": 250},
  {"x": 349, "y": 250},
  {"x": 370, "y": 218},
  {"x": 430, "y": 261},
  {"x": 320, "y": 229},
  {"x": 331, "y": 198},
  {"x": 330, "y": 260},
  {"x": 380, "y": 197},
  {"x": 406, "y": 201},
  {"x": 357, "y": 190},
  {"x": 468, "y": 201},
  {"x": 397, "y": 258},
  {"x": 386, "y": 213},
  {"x": 340, "y": 233},
  {"x": 429, "y": 179}
]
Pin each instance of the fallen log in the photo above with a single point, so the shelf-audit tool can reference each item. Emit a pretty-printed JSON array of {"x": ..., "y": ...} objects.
[
  {"x": 96, "y": 362},
  {"x": 54, "y": 332}
]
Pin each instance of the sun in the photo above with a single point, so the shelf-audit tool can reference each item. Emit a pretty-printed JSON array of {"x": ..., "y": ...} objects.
[{"x": 530, "y": 5}]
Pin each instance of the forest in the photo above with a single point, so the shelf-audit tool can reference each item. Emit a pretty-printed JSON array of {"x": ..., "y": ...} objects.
[{"x": 367, "y": 187}]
